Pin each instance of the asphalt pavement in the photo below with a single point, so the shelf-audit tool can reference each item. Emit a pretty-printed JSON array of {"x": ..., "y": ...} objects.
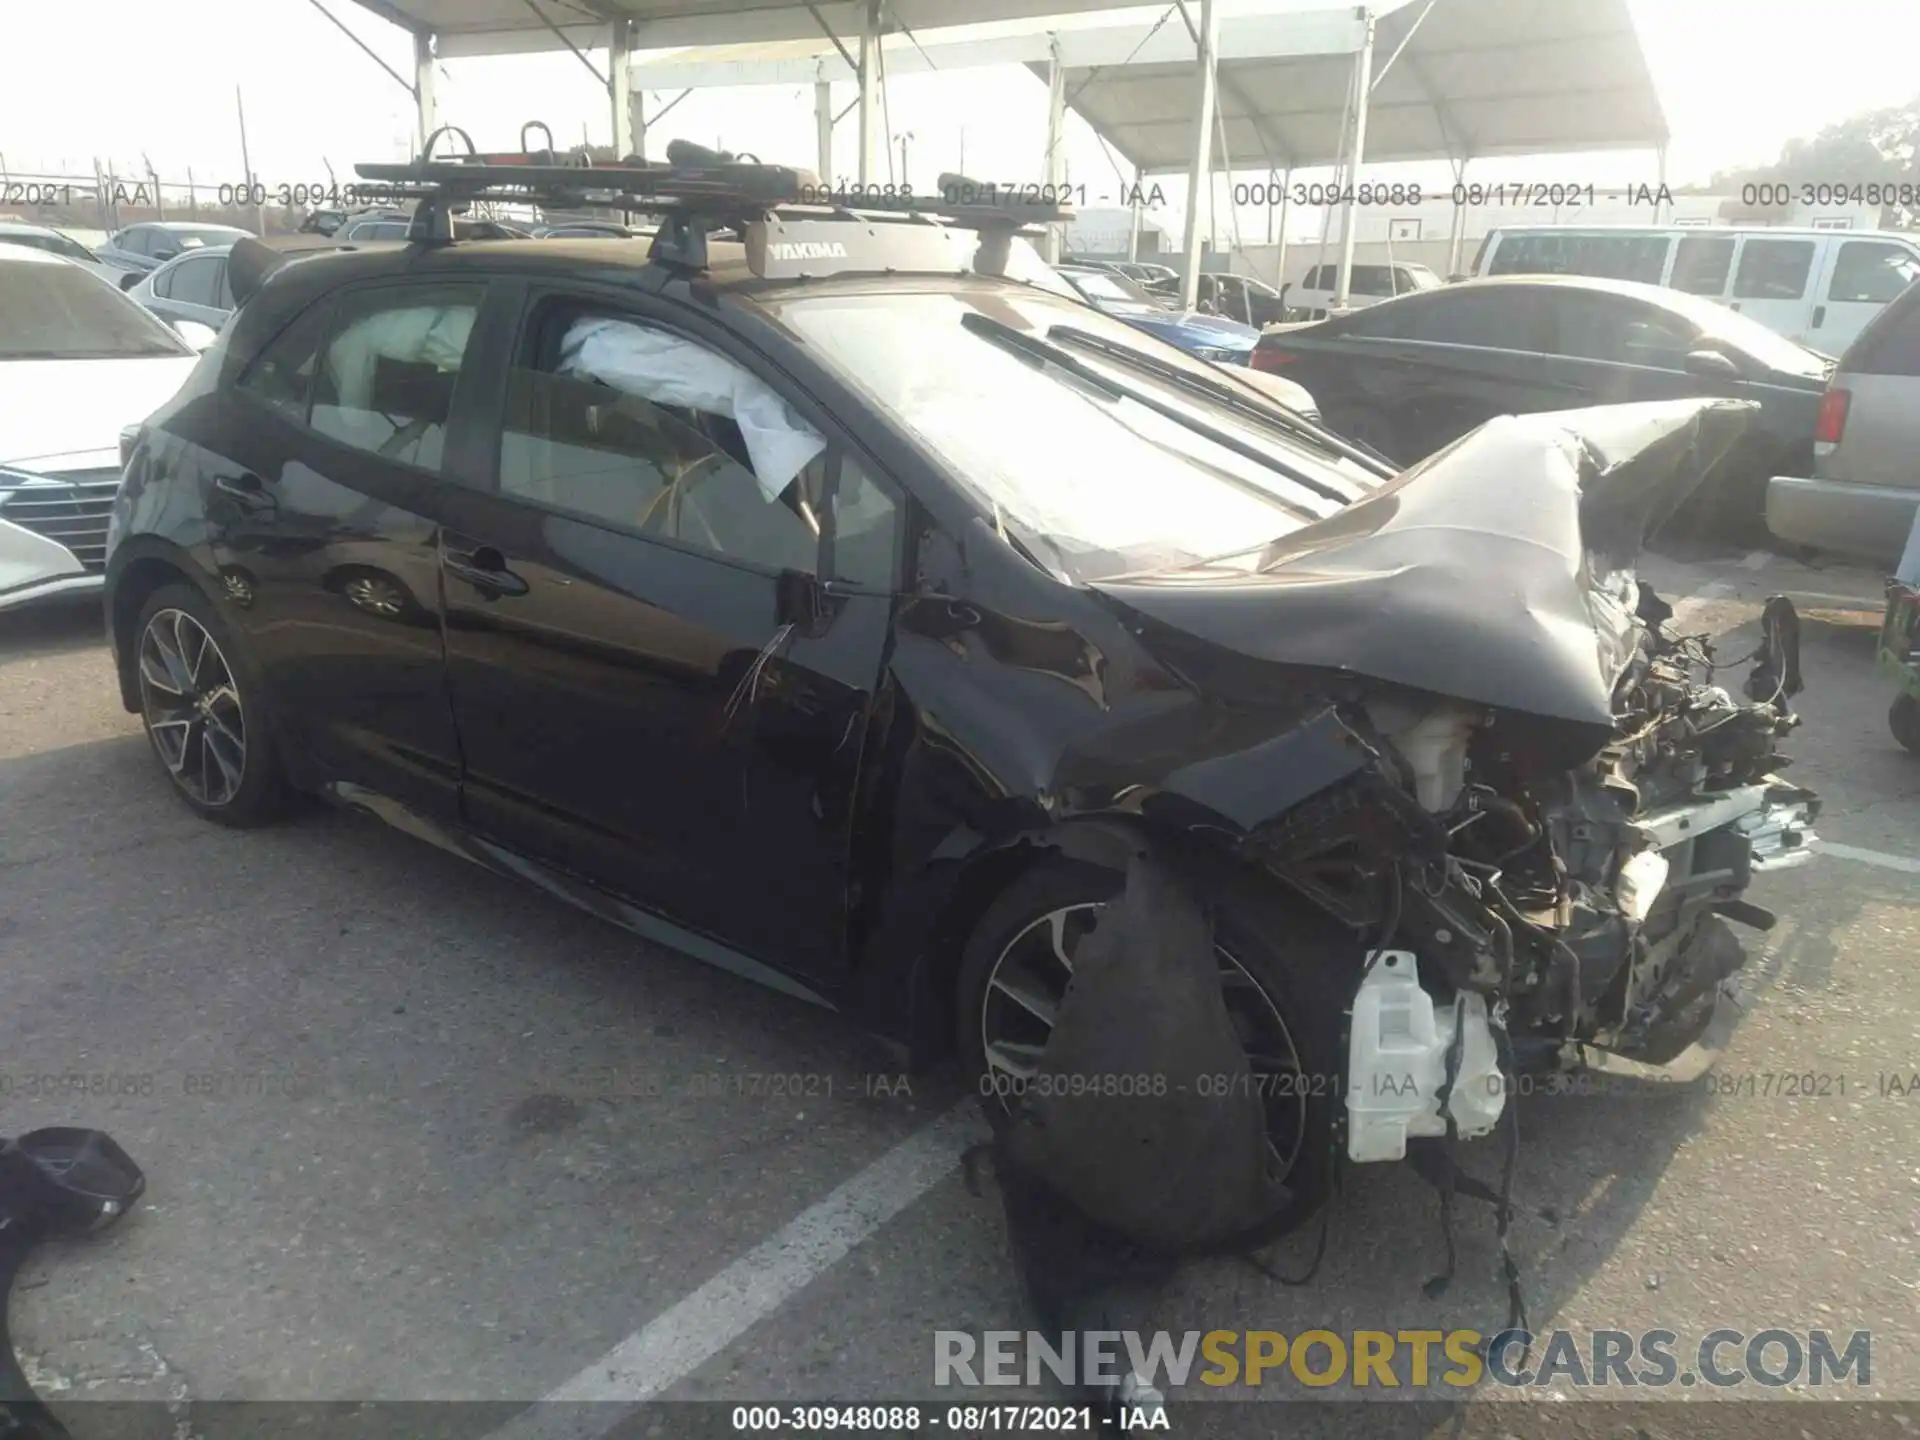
[{"x": 412, "y": 1134}]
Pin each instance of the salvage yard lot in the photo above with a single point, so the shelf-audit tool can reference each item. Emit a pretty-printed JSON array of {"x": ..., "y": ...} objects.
[{"x": 411, "y": 1133}]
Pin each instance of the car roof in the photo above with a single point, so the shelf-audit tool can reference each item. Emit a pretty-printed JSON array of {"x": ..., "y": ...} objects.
[
  {"x": 27, "y": 227},
  {"x": 607, "y": 259},
  {"x": 1634, "y": 289},
  {"x": 1798, "y": 231},
  {"x": 194, "y": 254},
  {"x": 26, "y": 255},
  {"x": 184, "y": 225}
]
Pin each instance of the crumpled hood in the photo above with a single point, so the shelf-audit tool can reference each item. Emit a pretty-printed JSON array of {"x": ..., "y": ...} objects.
[
  {"x": 59, "y": 414},
  {"x": 1494, "y": 571}
]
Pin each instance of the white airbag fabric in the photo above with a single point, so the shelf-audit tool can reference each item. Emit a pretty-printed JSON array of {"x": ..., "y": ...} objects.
[{"x": 666, "y": 370}]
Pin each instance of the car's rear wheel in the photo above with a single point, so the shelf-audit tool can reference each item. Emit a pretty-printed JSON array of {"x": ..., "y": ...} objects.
[
  {"x": 200, "y": 707},
  {"x": 1284, "y": 1000}
]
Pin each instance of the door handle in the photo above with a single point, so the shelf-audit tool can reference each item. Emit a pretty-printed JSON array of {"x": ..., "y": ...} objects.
[
  {"x": 1819, "y": 314},
  {"x": 484, "y": 568},
  {"x": 246, "y": 487}
]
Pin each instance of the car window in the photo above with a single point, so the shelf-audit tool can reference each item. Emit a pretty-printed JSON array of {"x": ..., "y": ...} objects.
[
  {"x": 1370, "y": 280},
  {"x": 379, "y": 230},
  {"x": 1772, "y": 269},
  {"x": 195, "y": 281},
  {"x": 1875, "y": 271},
  {"x": 136, "y": 240},
  {"x": 640, "y": 427},
  {"x": 1607, "y": 327},
  {"x": 1317, "y": 279},
  {"x": 223, "y": 293},
  {"x": 1497, "y": 319},
  {"x": 1609, "y": 257},
  {"x": 1701, "y": 265},
  {"x": 282, "y": 374},
  {"x": 386, "y": 377}
]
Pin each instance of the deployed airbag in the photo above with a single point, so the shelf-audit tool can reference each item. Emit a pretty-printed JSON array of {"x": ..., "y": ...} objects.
[{"x": 666, "y": 370}]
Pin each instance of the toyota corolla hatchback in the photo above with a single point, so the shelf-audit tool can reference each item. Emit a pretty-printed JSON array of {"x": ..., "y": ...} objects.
[{"x": 849, "y": 606}]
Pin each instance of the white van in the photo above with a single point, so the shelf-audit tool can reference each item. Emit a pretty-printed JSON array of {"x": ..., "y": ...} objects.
[{"x": 1816, "y": 287}]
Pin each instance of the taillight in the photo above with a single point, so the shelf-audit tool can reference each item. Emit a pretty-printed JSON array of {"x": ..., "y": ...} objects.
[
  {"x": 1267, "y": 358},
  {"x": 1832, "y": 419}
]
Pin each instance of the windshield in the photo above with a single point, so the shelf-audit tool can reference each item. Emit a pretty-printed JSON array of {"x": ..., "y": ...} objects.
[
  {"x": 1110, "y": 291},
  {"x": 60, "y": 312},
  {"x": 1109, "y": 478},
  {"x": 1420, "y": 277}
]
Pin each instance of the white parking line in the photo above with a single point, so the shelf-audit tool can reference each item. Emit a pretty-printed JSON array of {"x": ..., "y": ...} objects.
[
  {"x": 694, "y": 1330},
  {"x": 1870, "y": 857}
]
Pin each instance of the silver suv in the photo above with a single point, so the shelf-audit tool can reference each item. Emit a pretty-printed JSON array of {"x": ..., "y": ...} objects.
[{"x": 1866, "y": 466}]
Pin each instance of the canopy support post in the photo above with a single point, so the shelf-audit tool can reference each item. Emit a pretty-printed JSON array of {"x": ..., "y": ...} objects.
[
  {"x": 1349, "y": 182},
  {"x": 1200, "y": 175},
  {"x": 620, "y": 89},
  {"x": 1055, "y": 169}
]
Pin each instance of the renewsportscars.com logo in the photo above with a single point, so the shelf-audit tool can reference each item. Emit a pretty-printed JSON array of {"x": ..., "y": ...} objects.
[{"x": 1390, "y": 1359}]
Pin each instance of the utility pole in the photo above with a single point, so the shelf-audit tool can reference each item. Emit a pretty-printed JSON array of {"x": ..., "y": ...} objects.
[{"x": 246, "y": 164}]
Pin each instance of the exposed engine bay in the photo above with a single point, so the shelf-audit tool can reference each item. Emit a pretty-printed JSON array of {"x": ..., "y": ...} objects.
[{"x": 1578, "y": 910}]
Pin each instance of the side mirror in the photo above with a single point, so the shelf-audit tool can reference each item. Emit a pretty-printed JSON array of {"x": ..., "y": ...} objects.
[
  {"x": 131, "y": 278},
  {"x": 165, "y": 255},
  {"x": 195, "y": 334},
  {"x": 1711, "y": 365}
]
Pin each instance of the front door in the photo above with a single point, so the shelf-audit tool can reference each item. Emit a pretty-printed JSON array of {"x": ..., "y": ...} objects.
[{"x": 653, "y": 688}]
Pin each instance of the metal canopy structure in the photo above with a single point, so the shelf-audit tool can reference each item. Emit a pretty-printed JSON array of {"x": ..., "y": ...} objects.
[
  {"x": 1306, "y": 86},
  {"x": 1457, "y": 80}
]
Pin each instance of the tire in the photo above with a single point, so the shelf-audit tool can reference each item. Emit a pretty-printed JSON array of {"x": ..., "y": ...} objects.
[
  {"x": 1305, "y": 984},
  {"x": 1904, "y": 720},
  {"x": 209, "y": 734}
]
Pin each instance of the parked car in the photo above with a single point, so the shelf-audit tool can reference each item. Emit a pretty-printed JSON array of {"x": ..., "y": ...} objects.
[
  {"x": 146, "y": 246},
  {"x": 1147, "y": 273},
  {"x": 1242, "y": 298},
  {"x": 854, "y": 621},
  {"x": 1367, "y": 285},
  {"x": 192, "y": 286},
  {"x": 1415, "y": 373},
  {"x": 78, "y": 362},
  {"x": 53, "y": 242},
  {"x": 1862, "y": 494},
  {"x": 587, "y": 230},
  {"x": 1818, "y": 288},
  {"x": 1211, "y": 337}
]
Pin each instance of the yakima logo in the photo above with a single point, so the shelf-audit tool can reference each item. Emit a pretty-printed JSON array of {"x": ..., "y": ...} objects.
[{"x": 808, "y": 250}]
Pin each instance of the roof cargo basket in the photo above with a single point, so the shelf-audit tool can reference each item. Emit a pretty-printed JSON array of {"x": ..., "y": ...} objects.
[{"x": 700, "y": 191}]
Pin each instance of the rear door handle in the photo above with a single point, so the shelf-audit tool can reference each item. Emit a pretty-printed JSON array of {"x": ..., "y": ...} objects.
[{"x": 484, "y": 568}]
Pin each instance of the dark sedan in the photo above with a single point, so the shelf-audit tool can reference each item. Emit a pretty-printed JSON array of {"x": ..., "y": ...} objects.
[{"x": 1413, "y": 374}]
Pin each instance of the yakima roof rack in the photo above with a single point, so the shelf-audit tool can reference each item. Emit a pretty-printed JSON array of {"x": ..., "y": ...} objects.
[{"x": 793, "y": 225}]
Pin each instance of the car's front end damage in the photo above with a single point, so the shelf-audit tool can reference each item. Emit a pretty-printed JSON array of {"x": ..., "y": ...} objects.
[{"x": 1553, "y": 807}]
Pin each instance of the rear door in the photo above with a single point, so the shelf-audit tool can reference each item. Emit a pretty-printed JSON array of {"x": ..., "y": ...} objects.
[
  {"x": 191, "y": 290},
  {"x": 1773, "y": 280},
  {"x": 654, "y": 689},
  {"x": 1413, "y": 375},
  {"x": 1860, "y": 278},
  {"x": 324, "y": 517}
]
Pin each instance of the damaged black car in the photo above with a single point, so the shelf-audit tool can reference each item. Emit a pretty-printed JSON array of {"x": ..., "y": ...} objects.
[{"x": 833, "y": 596}]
